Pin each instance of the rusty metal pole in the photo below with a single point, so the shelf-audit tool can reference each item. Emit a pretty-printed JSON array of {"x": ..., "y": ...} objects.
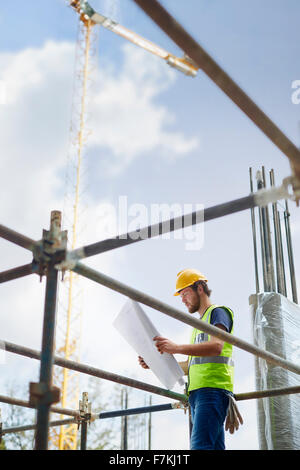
[
  {"x": 92, "y": 371},
  {"x": 18, "y": 272},
  {"x": 85, "y": 414},
  {"x": 269, "y": 239},
  {"x": 17, "y": 238},
  {"x": 43, "y": 392},
  {"x": 290, "y": 253},
  {"x": 281, "y": 283},
  {"x": 31, "y": 427},
  {"x": 254, "y": 236}
]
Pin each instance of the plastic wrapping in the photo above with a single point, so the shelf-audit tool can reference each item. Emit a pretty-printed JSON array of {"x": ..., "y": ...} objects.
[{"x": 276, "y": 328}]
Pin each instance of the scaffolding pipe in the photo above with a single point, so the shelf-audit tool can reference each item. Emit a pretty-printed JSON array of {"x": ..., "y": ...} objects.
[
  {"x": 89, "y": 370},
  {"x": 102, "y": 415},
  {"x": 167, "y": 226},
  {"x": 145, "y": 299},
  {"x": 27, "y": 404},
  {"x": 269, "y": 281},
  {"x": 269, "y": 240},
  {"x": 253, "y": 223},
  {"x": 281, "y": 284},
  {"x": 150, "y": 426},
  {"x": 290, "y": 253},
  {"x": 17, "y": 238},
  {"x": 15, "y": 273},
  {"x": 124, "y": 421},
  {"x": 45, "y": 397},
  {"x": 272, "y": 392},
  {"x": 135, "y": 411},
  {"x": 31, "y": 427},
  {"x": 204, "y": 61},
  {"x": 83, "y": 435},
  {"x": 263, "y": 250}
]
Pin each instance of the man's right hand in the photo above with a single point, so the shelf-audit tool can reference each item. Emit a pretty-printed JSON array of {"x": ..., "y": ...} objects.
[{"x": 142, "y": 363}]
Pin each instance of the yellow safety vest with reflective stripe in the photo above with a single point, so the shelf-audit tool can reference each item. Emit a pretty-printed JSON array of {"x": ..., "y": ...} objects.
[{"x": 211, "y": 371}]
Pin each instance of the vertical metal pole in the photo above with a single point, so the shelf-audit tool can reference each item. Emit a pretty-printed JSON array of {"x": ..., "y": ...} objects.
[
  {"x": 150, "y": 425},
  {"x": 125, "y": 436},
  {"x": 262, "y": 238},
  {"x": 190, "y": 417},
  {"x": 254, "y": 236},
  {"x": 47, "y": 352},
  {"x": 85, "y": 413},
  {"x": 290, "y": 253},
  {"x": 269, "y": 251},
  {"x": 83, "y": 435},
  {"x": 122, "y": 420},
  {"x": 124, "y": 406},
  {"x": 281, "y": 284},
  {"x": 269, "y": 281}
]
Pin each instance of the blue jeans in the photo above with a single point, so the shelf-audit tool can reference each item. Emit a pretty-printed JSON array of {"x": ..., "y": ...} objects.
[{"x": 208, "y": 409}]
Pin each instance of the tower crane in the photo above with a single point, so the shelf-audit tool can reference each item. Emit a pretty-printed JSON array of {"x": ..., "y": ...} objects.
[
  {"x": 86, "y": 12},
  {"x": 69, "y": 320}
]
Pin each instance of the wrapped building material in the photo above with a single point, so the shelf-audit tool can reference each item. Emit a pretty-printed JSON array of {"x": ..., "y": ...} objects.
[{"x": 276, "y": 328}]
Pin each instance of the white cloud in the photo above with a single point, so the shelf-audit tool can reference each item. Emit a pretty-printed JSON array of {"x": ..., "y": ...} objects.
[{"x": 127, "y": 98}]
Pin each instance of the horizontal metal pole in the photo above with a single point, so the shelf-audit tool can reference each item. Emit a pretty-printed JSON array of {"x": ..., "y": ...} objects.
[
  {"x": 101, "y": 374},
  {"x": 31, "y": 427},
  {"x": 135, "y": 411},
  {"x": 17, "y": 238},
  {"x": 183, "y": 317},
  {"x": 274, "y": 392},
  {"x": 26, "y": 404},
  {"x": 186, "y": 42},
  {"x": 15, "y": 273},
  {"x": 148, "y": 409},
  {"x": 167, "y": 226},
  {"x": 102, "y": 415}
]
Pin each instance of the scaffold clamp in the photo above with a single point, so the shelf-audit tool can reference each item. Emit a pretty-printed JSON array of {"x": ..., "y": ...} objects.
[{"x": 39, "y": 393}]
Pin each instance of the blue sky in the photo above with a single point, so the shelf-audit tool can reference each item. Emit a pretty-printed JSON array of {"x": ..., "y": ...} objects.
[{"x": 157, "y": 137}]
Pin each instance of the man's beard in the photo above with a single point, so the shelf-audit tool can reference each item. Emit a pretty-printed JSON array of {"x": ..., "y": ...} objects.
[{"x": 195, "y": 307}]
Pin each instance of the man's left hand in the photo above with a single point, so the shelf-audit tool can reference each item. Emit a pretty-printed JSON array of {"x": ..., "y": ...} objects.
[{"x": 165, "y": 345}]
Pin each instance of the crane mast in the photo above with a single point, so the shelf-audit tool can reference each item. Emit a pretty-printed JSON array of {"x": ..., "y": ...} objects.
[{"x": 70, "y": 299}]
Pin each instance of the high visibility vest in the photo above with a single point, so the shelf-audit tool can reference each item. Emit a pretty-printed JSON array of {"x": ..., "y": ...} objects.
[{"x": 211, "y": 371}]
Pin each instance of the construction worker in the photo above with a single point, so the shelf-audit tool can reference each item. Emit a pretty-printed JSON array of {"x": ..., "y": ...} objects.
[{"x": 209, "y": 365}]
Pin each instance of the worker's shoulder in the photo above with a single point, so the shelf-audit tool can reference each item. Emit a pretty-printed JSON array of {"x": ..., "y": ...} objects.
[
  {"x": 220, "y": 314},
  {"x": 222, "y": 308}
]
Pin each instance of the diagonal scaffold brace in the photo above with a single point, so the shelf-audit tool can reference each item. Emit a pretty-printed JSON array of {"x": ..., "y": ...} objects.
[{"x": 259, "y": 198}]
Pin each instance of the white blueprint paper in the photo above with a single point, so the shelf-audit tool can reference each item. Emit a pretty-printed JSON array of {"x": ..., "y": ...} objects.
[{"x": 136, "y": 328}]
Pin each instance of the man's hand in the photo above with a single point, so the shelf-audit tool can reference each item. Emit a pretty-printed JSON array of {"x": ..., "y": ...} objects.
[
  {"x": 165, "y": 345},
  {"x": 142, "y": 363}
]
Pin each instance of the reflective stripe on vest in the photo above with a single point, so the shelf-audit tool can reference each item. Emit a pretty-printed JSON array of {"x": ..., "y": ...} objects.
[
  {"x": 211, "y": 371},
  {"x": 212, "y": 360}
]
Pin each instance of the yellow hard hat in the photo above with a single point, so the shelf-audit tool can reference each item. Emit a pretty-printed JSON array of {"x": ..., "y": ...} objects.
[{"x": 187, "y": 278}]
